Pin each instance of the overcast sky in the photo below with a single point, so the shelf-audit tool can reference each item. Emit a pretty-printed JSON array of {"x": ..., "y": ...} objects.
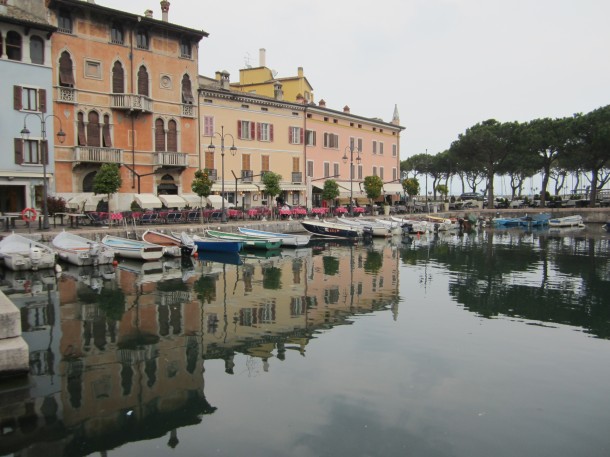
[{"x": 447, "y": 64}]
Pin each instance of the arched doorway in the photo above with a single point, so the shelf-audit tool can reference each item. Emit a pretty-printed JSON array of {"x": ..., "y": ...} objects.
[
  {"x": 167, "y": 186},
  {"x": 88, "y": 181}
]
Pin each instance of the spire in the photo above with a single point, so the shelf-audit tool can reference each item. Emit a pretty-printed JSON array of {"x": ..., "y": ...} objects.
[{"x": 396, "y": 116}]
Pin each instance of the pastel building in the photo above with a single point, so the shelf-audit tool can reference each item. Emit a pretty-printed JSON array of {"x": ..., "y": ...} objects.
[
  {"x": 124, "y": 86},
  {"x": 25, "y": 99}
]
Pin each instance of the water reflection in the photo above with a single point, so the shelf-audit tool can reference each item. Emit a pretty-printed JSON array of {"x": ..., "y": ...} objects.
[{"x": 117, "y": 354}]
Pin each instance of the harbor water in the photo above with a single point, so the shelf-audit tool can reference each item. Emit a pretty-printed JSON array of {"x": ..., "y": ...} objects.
[{"x": 494, "y": 343}]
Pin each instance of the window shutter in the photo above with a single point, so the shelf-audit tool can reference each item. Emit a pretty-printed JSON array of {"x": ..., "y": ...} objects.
[
  {"x": 290, "y": 135},
  {"x": 106, "y": 135},
  {"x": 93, "y": 130},
  {"x": 172, "y": 136},
  {"x": 301, "y": 133},
  {"x": 252, "y": 130},
  {"x": 295, "y": 164},
  {"x": 239, "y": 129},
  {"x": 314, "y": 138},
  {"x": 270, "y": 132},
  {"x": 118, "y": 80},
  {"x": 44, "y": 151},
  {"x": 82, "y": 138},
  {"x": 159, "y": 136},
  {"x": 187, "y": 93},
  {"x": 17, "y": 90},
  {"x": 258, "y": 131},
  {"x": 66, "y": 78},
  {"x": 143, "y": 81},
  {"x": 18, "y": 151},
  {"x": 42, "y": 100}
]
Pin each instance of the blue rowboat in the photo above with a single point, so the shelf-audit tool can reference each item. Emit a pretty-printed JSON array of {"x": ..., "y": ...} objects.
[{"x": 216, "y": 245}]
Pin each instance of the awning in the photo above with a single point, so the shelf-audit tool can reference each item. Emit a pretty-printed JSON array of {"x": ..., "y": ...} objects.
[
  {"x": 78, "y": 200},
  {"x": 343, "y": 185},
  {"x": 216, "y": 202},
  {"x": 172, "y": 201},
  {"x": 193, "y": 200},
  {"x": 92, "y": 201},
  {"x": 147, "y": 201},
  {"x": 246, "y": 188},
  {"x": 393, "y": 188},
  {"x": 294, "y": 187}
]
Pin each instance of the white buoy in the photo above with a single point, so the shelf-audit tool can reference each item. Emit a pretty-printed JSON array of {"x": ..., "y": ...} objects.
[{"x": 57, "y": 268}]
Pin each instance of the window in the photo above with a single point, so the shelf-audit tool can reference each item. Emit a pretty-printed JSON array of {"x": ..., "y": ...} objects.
[
  {"x": 394, "y": 174},
  {"x": 172, "y": 136},
  {"x": 246, "y": 130},
  {"x": 116, "y": 34},
  {"x": 118, "y": 78},
  {"x": 208, "y": 126},
  {"x": 360, "y": 144},
  {"x": 13, "y": 45},
  {"x": 185, "y": 48},
  {"x": 380, "y": 148},
  {"x": 159, "y": 135},
  {"x": 374, "y": 171},
  {"x": 295, "y": 135},
  {"x": 265, "y": 131},
  {"x": 141, "y": 39},
  {"x": 326, "y": 169},
  {"x": 310, "y": 168},
  {"x": 64, "y": 21},
  {"x": 336, "y": 169},
  {"x": 106, "y": 132},
  {"x": 29, "y": 99},
  {"x": 93, "y": 129},
  {"x": 66, "y": 74},
  {"x": 310, "y": 138},
  {"x": 265, "y": 166},
  {"x": 374, "y": 147},
  {"x": 381, "y": 172},
  {"x": 394, "y": 150},
  {"x": 93, "y": 69},
  {"x": 37, "y": 50},
  {"x": 31, "y": 152},
  {"x": 359, "y": 171},
  {"x": 143, "y": 81},
  {"x": 187, "y": 93},
  {"x": 331, "y": 141},
  {"x": 82, "y": 136}
]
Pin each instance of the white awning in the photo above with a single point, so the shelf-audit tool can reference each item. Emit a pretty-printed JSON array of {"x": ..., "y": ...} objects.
[
  {"x": 78, "y": 200},
  {"x": 147, "y": 201},
  {"x": 293, "y": 187},
  {"x": 193, "y": 200},
  {"x": 216, "y": 202},
  {"x": 393, "y": 188},
  {"x": 92, "y": 201},
  {"x": 172, "y": 201}
]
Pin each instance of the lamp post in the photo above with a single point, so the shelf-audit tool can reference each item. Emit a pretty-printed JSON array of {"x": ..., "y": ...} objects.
[
  {"x": 61, "y": 136},
  {"x": 211, "y": 148},
  {"x": 351, "y": 150}
]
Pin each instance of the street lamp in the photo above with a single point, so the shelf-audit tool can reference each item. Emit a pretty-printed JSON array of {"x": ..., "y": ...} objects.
[
  {"x": 233, "y": 149},
  {"x": 61, "y": 137},
  {"x": 351, "y": 150}
]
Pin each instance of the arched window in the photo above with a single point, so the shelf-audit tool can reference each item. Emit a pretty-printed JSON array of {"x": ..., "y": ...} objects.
[
  {"x": 88, "y": 181},
  {"x": 172, "y": 136},
  {"x": 13, "y": 45},
  {"x": 159, "y": 135},
  {"x": 118, "y": 78},
  {"x": 167, "y": 186},
  {"x": 66, "y": 76},
  {"x": 37, "y": 50},
  {"x": 82, "y": 136},
  {"x": 93, "y": 129},
  {"x": 106, "y": 132},
  {"x": 187, "y": 93},
  {"x": 143, "y": 81}
]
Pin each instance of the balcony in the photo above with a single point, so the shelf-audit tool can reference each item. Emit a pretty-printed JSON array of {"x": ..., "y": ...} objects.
[
  {"x": 247, "y": 175},
  {"x": 188, "y": 111},
  {"x": 66, "y": 94},
  {"x": 93, "y": 154},
  {"x": 297, "y": 177},
  {"x": 130, "y": 102},
  {"x": 170, "y": 159}
]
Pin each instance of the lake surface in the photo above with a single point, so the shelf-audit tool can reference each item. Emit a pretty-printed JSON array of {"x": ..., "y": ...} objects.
[{"x": 487, "y": 344}]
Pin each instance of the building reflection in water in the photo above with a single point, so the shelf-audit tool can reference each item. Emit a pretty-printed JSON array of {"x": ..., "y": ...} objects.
[{"x": 117, "y": 355}]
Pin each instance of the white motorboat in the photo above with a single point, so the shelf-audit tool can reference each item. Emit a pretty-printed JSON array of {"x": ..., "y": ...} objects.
[
  {"x": 567, "y": 221},
  {"x": 21, "y": 253},
  {"x": 81, "y": 251},
  {"x": 133, "y": 249},
  {"x": 288, "y": 239},
  {"x": 377, "y": 229}
]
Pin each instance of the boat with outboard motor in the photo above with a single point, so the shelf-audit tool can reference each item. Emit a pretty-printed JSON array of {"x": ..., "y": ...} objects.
[
  {"x": 81, "y": 251},
  {"x": 21, "y": 253}
]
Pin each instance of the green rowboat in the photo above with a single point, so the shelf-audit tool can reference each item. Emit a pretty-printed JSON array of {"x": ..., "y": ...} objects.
[{"x": 248, "y": 241}]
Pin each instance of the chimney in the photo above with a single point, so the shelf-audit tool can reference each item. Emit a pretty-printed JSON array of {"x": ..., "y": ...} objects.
[
  {"x": 346, "y": 109},
  {"x": 261, "y": 57},
  {"x": 322, "y": 103},
  {"x": 225, "y": 82},
  {"x": 278, "y": 92},
  {"x": 148, "y": 14},
  {"x": 300, "y": 72},
  {"x": 164, "y": 10}
]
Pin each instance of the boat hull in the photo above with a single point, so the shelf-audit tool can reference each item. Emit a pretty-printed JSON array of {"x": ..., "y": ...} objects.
[
  {"x": 174, "y": 246},
  {"x": 331, "y": 230},
  {"x": 568, "y": 221},
  {"x": 20, "y": 253},
  {"x": 81, "y": 251},
  {"x": 288, "y": 240},
  {"x": 247, "y": 241},
  {"x": 133, "y": 249},
  {"x": 205, "y": 244}
]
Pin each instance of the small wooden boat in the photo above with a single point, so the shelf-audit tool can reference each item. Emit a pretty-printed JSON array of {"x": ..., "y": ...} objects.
[
  {"x": 288, "y": 239},
  {"x": 330, "y": 229},
  {"x": 174, "y": 245},
  {"x": 81, "y": 251},
  {"x": 567, "y": 221},
  {"x": 247, "y": 241},
  {"x": 207, "y": 244},
  {"x": 133, "y": 249},
  {"x": 21, "y": 253}
]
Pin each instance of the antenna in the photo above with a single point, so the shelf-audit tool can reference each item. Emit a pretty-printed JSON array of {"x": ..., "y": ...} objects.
[{"x": 247, "y": 60}]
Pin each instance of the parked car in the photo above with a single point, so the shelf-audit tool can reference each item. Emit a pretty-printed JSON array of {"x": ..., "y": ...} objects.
[{"x": 471, "y": 196}]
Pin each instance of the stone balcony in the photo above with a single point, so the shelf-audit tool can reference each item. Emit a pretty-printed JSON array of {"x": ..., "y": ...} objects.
[
  {"x": 170, "y": 159},
  {"x": 97, "y": 155},
  {"x": 129, "y": 102}
]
